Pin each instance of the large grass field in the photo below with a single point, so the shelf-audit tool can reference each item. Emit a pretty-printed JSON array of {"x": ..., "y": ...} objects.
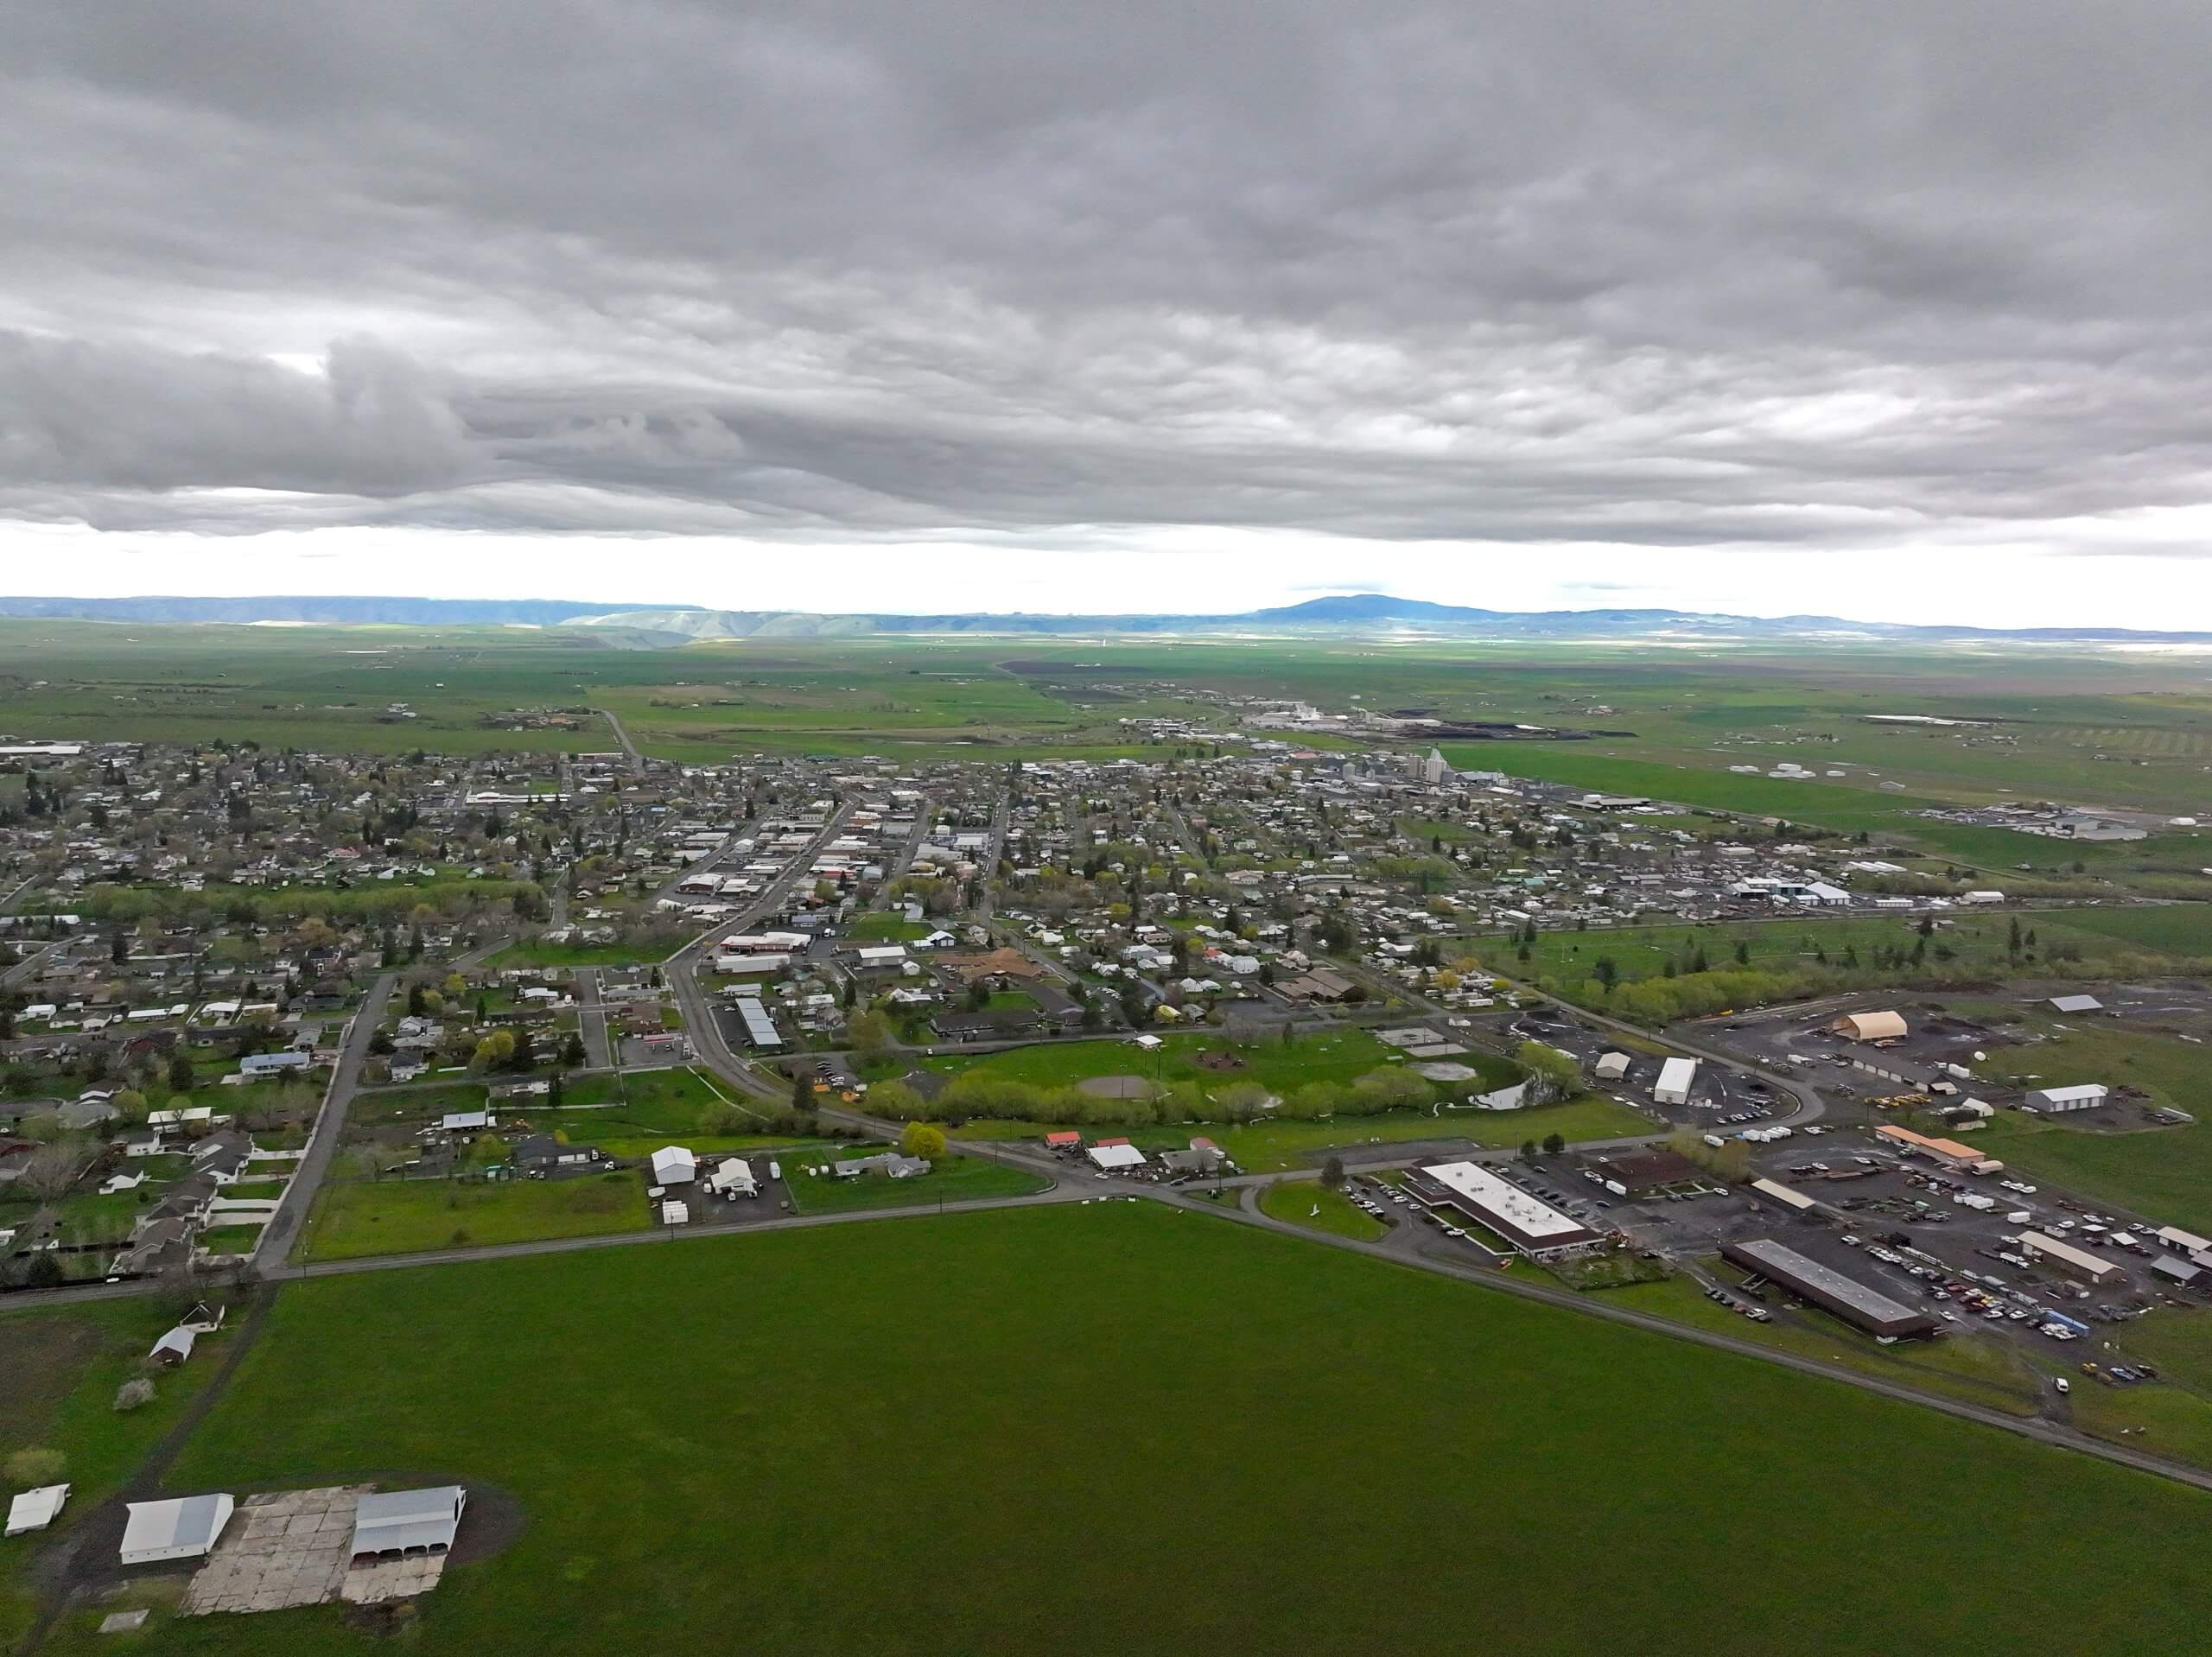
[
  {"x": 952, "y": 1179},
  {"x": 1340, "y": 1056},
  {"x": 1307, "y": 1203},
  {"x": 2163, "y": 1173},
  {"x": 1978, "y": 943},
  {"x": 60, "y": 1368},
  {"x": 1124, "y": 1428},
  {"x": 1266, "y": 1147},
  {"x": 403, "y": 1216}
]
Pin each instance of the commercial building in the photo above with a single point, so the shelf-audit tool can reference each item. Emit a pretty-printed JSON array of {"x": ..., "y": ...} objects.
[
  {"x": 1788, "y": 1196},
  {"x": 2075, "y": 1262},
  {"x": 1948, "y": 1153},
  {"x": 182, "y": 1527},
  {"x": 1856, "y": 1302},
  {"x": 1533, "y": 1227},
  {"x": 2087, "y": 1095},
  {"x": 1113, "y": 1156},
  {"x": 1676, "y": 1078}
]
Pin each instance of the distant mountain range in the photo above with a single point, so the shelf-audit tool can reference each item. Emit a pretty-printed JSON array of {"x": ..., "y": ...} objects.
[{"x": 1351, "y": 613}]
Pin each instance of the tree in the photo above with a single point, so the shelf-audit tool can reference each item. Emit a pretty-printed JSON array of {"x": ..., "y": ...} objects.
[
  {"x": 869, "y": 1032},
  {"x": 922, "y": 1139},
  {"x": 1552, "y": 1074},
  {"x": 802, "y": 1094},
  {"x": 1527, "y": 1150},
  {"x": 1332, "y": 1173},
  {"x": 1553, "y": 1145},
  {"x": 1607, "y": 973},
  {"x": 572, "y": 1051}
]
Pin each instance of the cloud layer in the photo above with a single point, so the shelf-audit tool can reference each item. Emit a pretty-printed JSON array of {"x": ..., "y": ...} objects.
[{"x": 1671, "y": 278}]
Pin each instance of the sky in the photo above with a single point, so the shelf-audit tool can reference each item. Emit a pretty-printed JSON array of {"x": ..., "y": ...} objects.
[{"x": 1890, "y": 311}]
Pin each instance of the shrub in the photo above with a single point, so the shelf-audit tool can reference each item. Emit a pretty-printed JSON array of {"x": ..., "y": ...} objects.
[
  {"x": 36, "y": 1466},
  {"x": 134, "y": 1394}
]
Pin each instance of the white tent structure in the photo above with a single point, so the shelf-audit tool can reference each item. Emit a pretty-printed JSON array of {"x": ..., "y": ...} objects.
[
  {"x": 182, "y": 1527},
  {"x": 674, "y": 1165}
]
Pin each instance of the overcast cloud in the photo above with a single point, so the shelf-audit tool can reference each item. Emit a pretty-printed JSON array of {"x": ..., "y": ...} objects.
[{"x": 981, "y": 303}]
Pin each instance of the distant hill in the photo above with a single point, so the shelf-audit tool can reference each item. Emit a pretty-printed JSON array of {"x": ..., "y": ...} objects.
[
  {"x": 341, "y": 612},
  {"x": 1339, "y": 614}
]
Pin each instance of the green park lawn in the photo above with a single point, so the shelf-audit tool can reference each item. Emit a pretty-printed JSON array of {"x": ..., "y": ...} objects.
[
  {"x": 952, "y": 1179},
  {"x": 1310, "y": 1203},
  {"x": 397, "y": 1216},
  {"x": 892, "y": 1397}
]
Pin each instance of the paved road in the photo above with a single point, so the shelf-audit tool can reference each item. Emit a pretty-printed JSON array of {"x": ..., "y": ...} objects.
[
  {"x": 278, "y": 1236},
  {"x": 629, "y": 748},
  {"x": 591, "y": 1017},
  {"x": 681, "y": 970}
]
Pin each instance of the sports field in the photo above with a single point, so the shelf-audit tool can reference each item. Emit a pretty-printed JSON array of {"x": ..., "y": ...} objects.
[{"x": 1031, "y": 1430}]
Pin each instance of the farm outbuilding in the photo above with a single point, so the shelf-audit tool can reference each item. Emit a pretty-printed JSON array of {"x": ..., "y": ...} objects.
[
  {"x": 407, "y": 1521},
  {"x": 182, "y": 1527}
]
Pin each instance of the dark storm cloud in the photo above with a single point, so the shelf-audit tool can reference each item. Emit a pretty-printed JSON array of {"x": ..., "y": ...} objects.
[{"x": 1667, "y": 276}]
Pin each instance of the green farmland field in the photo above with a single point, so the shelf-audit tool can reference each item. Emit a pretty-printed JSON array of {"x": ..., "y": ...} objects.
[
  {"x": 887, "y": 1398},
  {"x": 403, "y": 1216}
]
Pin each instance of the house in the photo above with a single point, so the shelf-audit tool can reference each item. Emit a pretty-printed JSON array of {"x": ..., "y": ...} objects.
[
  {"x": 893, "y": 1163},
  {"x": 733, "y": 1176},
  {"x": 1201, "y": 1161},
  {"x": 182, "y": 1527},
  {"x": 275, "y": 1064},
  {"x": 407, "y": 1521}
]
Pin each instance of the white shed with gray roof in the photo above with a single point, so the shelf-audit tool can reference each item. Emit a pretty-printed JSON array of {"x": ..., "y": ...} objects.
[
  {"x": 407, "y": 1521},
  {"x": 182, "y": 1527}
]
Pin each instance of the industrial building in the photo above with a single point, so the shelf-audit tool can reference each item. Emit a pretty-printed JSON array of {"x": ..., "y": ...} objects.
[
  {"x": 1533, "y": 1227},
  {"x": 1871, "y": 1026},
  {"x": 1856, "y": 1304},
  {"x": 2087, "y": 1096},
  {"x": 2075, "y": 1262},
  {"x": 1676, "y": 1078},
  {"x": 1948, "y": 1153}
]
